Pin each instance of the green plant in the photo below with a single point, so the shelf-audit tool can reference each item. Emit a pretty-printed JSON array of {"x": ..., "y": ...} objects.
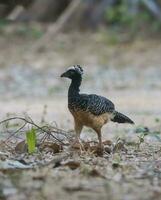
[
  {"x": 31, "y": 140},
  {"x": 121, "y": 17},
  {"x": 119, "y": 14},
  {"x": 29, "y": 31},
  {"x": 141, "y": 139}
]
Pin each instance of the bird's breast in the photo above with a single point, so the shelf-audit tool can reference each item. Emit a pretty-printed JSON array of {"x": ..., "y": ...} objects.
[{"x": 88, "y": 119}]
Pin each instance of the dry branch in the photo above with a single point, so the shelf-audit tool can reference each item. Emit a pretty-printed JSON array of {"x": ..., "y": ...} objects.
[{"x": 30, "y": 121}]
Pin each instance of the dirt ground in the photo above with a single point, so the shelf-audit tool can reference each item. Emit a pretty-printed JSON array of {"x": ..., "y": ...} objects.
[{"x": 127, "y": 73}]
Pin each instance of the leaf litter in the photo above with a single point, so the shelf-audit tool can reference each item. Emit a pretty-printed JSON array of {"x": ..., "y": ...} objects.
[{"x": 122, "y": 164}]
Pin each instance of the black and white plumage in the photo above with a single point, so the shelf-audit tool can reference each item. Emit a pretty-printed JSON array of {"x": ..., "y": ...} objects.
[
  {"x": 92, "y": 103},
  {"x": 90, "y": 110}
]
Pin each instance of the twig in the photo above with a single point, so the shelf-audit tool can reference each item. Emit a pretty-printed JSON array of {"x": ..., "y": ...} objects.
[
  {"x": 32, "y": 123},
  {"x": 15, "y": 132}
]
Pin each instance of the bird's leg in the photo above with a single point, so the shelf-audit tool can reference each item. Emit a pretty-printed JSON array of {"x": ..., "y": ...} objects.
[
  {"x": 100, "y": 145},
  {"x": 100, "y": 141},
  {"x": 78, "y": 129}
]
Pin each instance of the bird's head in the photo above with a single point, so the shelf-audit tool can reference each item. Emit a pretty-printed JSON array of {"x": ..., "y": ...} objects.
[{"x": 73, "y": 72}]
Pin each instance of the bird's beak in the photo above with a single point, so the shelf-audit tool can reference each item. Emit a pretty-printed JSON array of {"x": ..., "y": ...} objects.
[{"x": 63, "y": 75}]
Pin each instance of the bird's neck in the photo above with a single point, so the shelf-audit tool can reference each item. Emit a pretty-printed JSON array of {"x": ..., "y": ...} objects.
[{"x": 74, "y": 87}]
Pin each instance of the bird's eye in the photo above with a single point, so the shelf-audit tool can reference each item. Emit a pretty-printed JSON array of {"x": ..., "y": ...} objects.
[{"x": 72, "y": 72}]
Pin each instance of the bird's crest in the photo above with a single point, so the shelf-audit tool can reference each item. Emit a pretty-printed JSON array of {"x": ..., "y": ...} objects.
[{"x": 77, "y": 68}]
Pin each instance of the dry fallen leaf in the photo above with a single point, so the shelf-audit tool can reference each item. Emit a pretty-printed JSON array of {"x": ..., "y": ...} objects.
[
  {"x": 76, "y": 146},
  {"x": 88, "y": 170},
  {"x": 51, "y": 147},
  {"x": 97, "y": 150},
  {"x": 21, "y": 147},
  {"x": 95, "y": 173},
  {"x": 108, "y": 149},
  {"x": 72, "y": 164},
  {"x": 107, "y": 142}
]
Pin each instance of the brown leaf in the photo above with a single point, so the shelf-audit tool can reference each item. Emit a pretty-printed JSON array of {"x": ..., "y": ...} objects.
[
  {"x": 21, "y": 147},
  {"x": 107, "y": 142},
  {"x": 76, "y": 146},
  {"x": 95, "y": 173},
  {"x": 108, "y": 149},
  {"x": 72, "y": 164},
  {"x": 90, "y": 171},
  {"x": 51, "y": 147},
  {"x": 39, "y": 177},
  {"x": 97, "y": 150}
]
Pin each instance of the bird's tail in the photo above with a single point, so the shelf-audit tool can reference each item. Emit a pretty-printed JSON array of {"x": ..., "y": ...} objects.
[{"x": 121, "y": 118}]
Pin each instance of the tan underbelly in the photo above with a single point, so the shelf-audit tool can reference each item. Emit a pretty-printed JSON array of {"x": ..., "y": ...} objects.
[{"x": 90, "y": 120}]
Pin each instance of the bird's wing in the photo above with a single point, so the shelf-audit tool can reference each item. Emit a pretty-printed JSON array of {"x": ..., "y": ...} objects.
[{"x": 97, "y": 105}]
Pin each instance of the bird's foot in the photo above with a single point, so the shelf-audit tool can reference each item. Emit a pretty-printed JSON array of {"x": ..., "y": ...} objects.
[
  {"x": 77, "y": 144},
  {"x": 100, "y": 149}
]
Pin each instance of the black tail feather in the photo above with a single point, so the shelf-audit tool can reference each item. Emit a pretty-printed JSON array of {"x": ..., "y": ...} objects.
[{"x": 121, "y": 118}]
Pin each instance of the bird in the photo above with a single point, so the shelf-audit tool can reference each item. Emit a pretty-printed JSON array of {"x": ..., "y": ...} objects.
[{"x": 89, "y": 110}]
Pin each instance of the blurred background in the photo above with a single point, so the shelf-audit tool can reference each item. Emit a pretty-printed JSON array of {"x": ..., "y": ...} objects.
[{"x": 118, "y": 42}]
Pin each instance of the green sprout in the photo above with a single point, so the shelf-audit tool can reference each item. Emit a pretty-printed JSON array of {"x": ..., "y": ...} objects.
[{"x": 31, "y": 140}]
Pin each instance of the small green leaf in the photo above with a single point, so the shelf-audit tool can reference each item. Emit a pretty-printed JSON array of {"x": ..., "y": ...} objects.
[{"x": 31, "y": 140}]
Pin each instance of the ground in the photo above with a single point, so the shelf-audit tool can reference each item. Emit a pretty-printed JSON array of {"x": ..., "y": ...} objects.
[{"x": 126, "y": 73}]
